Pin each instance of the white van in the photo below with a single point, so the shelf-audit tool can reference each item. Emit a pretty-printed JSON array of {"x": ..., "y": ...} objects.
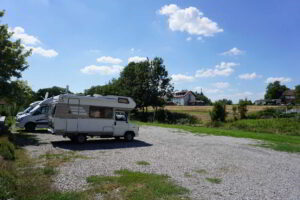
[
  {"x": 77, "y": 117},
  {"x": 27, "y": 110},
  {"x": 36, "y": 117}
]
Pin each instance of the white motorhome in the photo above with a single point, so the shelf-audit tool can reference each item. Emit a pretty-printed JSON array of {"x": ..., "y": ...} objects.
[
  {"x": 36, "y": 117},
  {"x": 77, "y": 117}
]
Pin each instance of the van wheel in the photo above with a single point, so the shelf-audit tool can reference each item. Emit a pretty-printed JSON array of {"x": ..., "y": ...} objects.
[
  {"x": 129, "y": 136},
  {"x": 81, "y": 139},
  {"x": 30, "y": 127}
]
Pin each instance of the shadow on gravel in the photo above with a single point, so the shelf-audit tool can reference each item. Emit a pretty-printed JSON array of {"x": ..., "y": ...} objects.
[
  {"x": 23, "y": 139},
  {"x": 100, "y": 144}
]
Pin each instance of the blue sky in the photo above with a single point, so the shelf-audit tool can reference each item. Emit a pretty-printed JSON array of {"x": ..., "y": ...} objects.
[{"x": 230, "y": 49}]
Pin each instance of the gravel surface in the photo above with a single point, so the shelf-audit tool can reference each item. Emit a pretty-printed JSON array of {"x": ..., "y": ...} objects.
[{"x": 245, "y": 171}]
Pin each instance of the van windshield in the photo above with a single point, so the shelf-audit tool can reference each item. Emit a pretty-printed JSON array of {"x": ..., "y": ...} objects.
[{"x": 35, "y": 108}]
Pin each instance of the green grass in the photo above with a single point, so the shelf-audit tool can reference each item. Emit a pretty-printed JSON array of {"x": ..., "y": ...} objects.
[
  {"x": 129, "y": 185},
  {"x": 278, "y": 142},
  {"x": 142, "y": 163},
  {"x": 214, "y": 180},
  {"x": 284, "y": 126},
  {"x": 49, "y": 170}
]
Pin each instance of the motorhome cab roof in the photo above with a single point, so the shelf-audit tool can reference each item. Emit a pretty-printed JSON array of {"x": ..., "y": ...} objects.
[{"x": 117, "y": 102}]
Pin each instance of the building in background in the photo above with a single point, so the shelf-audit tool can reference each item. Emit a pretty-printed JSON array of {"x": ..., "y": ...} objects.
[{"x": 184, "y": 98}]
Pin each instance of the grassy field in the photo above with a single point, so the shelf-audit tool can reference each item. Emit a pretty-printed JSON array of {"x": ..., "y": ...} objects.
[
  {"x": 280, "y": 142},
  {"x": 202, "y": 112}
]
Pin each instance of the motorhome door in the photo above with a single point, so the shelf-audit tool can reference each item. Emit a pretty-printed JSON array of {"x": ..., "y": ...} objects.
[
  {"x": 72, "y": 121},
  {"x": 121, "y": 123}
]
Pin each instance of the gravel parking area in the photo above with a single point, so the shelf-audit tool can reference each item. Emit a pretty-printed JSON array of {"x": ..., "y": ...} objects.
[{"x": 243, "y": 170}]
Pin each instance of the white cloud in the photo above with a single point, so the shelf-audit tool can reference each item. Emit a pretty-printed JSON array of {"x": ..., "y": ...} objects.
[
  {"x": 281, "y": 79},
  {"x": 182, "y": 78},
  {"x": 19, "y": 33},
  {"x": 199, "y": 38},
  {"x": 136, "y": 59},
  {"x": 249, "y": 76},
  {"x": 109, "y": 60},
  {"x": 233, "y": 52},
  {"x": 43, "y": 52},
  {"x": 223, "y": 69},
  {"x": 188, "y": 39},
  {"x": 221, "y": 85},
  {"x": 102, "y": 70},
  {"x": 190, "y": 20}
]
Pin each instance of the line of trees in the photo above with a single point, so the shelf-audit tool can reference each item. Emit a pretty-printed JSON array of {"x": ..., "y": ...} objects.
[{"x": 146, "y": 82}]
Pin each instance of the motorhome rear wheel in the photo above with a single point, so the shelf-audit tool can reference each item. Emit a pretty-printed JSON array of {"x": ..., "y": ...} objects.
[
  {"x": 129, "y": 136},
  {"x": 81, "y": 139}
]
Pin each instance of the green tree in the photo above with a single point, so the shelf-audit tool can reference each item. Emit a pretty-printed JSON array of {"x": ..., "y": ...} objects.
[
  {"x": 297, "y": 91},
  {"x": 112, "y": 88},
  {"x": 226, "y": 101},
  {"x": 201, "y": 97},
  {"x": 146, "y": 82},
  {"x": 275, "y": 90},
  {"x": 13, "y": 59},
  {"x": 218, "y": 112},
  {"x": 53, "y": 91}
]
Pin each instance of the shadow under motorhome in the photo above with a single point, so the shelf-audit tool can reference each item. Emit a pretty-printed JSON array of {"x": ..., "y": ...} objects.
[{"x": 77, "y": 117}]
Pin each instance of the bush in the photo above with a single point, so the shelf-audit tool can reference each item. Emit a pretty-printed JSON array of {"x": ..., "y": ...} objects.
[
  {"x": 242, "y": 108},
  {"x": 165, "y": 116},
  {"x": 218, "y": 112},
  {"x": 268, "y": 113},
  {"x": 7, "y": 150},
  {"x": 234, "y": 112}
]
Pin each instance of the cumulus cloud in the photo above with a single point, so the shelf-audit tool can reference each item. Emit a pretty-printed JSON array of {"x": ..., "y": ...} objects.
[
  {"x": 223, "y": 69},
  {"x": 136, "y": 59},
  {"x": 102, "y": 70},
  {"x": 182, "y": 78},
  {"x": 189, "y": 20},
  {"x": 221, "y": 85},
  {"x": 43, "y": 52},
  {"x": 281, "y": 79},
  {"x": 249, "y": 76},
  {"x": 19, "y": 33},
  {"x": 188, "y": 39},
  {"x": 109, "y": 60},
  {"x": 233, "y": 52}
]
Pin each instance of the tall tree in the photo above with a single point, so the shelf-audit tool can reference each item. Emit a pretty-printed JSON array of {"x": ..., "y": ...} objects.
[
  {"x": 297, "y": 91},
  {"x": 201, "y": 97},
  {"x": 53, "y": 91},
  {"x": 147, "y": 82},
  {"x": 112, "y": 88},
  {"x": 275, "y": 90},
  {"x": 13, "y": 59}
]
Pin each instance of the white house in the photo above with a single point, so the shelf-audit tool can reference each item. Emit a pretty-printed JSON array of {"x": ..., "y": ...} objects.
[{"x": 184, "y": 98}]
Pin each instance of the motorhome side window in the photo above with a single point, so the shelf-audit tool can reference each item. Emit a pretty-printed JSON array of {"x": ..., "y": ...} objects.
[
  {"x": 123, "y": 100},
  {"x": 101, "y": 112}
]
